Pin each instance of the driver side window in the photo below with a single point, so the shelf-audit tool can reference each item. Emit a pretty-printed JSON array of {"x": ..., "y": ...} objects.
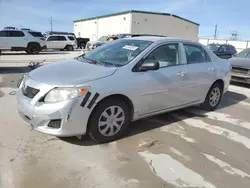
[{"x": 167, "y": 55}]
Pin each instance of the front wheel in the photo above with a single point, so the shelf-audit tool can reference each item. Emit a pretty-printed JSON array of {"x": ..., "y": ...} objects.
[
  {"x": 213, "y": 97},
  {"x": 109, "y": 121}
]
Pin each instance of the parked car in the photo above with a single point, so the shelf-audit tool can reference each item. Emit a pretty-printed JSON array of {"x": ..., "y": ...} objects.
[
  {"x": 224, "y": 51},
  {"x": 120, "y": 36},
  {"x": 61, "y": 42},
  {"x": 93, "y": 44},
  {"x": 101, "y": 92},
  {"x": 241, "y": 67},
  {"x": 22, "y": 40}
]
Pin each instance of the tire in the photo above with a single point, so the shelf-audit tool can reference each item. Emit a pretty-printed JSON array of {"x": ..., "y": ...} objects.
[
  {"x": 70, "y": 48},
  {"x": 0, "y": 52},
  {"x": 82, "y": 45},
  {"x": 102, "y": 132},
  {"x": 213, "y": 97},
  {"x": 33, "y": 49}
]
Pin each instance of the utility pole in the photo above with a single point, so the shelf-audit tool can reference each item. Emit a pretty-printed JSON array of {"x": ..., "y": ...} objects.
[
  {"x": 51, "y": 24},
  {"x": 215, "y": 32},
  {"x": 234, "y": 35}
]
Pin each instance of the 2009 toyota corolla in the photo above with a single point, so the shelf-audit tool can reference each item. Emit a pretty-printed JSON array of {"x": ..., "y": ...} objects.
[{"x": 101, "y": 92}]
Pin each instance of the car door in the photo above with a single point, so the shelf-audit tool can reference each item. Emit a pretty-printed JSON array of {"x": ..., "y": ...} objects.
[
  {"x": 62, "y": 42},
  {"x": 201, "y": 71},
  {"x": 52, "y": 42},
  {"x": 164, "y": 88},
  {"x": 4, "y": 45},
  {"x": 17, "y": 39}
]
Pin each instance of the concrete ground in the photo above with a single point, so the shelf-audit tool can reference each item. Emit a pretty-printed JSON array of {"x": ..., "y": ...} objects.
[{"x": 185, "y": 148}]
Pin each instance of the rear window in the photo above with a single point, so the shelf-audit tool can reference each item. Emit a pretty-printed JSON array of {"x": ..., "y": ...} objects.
[
  {"x": 71, "y": 38},
  {"x": 36, "y": 34}
]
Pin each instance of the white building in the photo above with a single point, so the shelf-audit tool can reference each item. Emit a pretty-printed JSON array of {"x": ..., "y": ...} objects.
[{"x": 136, "y": 22}]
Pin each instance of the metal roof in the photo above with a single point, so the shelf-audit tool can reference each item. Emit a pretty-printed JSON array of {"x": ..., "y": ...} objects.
[{"x": 136, "y": 11}]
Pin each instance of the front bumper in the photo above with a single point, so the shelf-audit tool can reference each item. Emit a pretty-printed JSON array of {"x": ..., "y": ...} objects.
[
  {"x": 44, "y": 47},
  {"x": 74, "y": 118},
  {"x": 240, "y": 78}
]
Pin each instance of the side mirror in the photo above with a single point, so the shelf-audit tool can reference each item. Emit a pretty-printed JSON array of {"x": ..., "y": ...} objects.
[{"x": 149, "y": 65}]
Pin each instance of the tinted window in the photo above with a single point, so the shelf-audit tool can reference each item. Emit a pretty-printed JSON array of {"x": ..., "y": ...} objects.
[
  {"x": 3, "y": 33},
  {"x": 167, "y": 55},
  {"x": 61, "y": 38},
  {"x": 16, "y": 33},
  {"x": 71, "y": 38},
  {"x": 52, "y": 38},
  {"x": 36, "y": 34},
  {"x": 196, "y": 54}
]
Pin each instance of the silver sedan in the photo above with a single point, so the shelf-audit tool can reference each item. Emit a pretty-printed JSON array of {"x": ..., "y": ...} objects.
[{"x": 101, "y": 92}]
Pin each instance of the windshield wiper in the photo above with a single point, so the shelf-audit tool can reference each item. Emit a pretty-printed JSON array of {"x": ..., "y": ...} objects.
[{"x": 99, "y": 62}]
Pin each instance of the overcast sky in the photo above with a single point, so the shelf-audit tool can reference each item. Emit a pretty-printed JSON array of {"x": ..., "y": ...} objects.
[{"x": 229, "y": 15}]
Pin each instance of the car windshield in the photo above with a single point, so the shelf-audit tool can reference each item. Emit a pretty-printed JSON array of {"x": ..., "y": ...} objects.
[
  {"x": 213, "y": 47},
  {"x": 103, "y": 38},
  {"x": 117, "y": 53},
  {"x": 244, "y": 53}
]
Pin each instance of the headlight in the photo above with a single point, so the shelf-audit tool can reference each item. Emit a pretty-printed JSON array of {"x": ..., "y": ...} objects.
[{"x": 63, "y": 94}]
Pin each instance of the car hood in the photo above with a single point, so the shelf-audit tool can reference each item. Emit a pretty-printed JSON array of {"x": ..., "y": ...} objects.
[
  {"x": 71, "y": 72},
  {"x": 240, "y": 62}
]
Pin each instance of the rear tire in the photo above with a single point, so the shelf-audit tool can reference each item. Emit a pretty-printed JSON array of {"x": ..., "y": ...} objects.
[
  {"x": 109, "y": 120},
  {"x": 213, "y": 97},
  {"x": 70, "y": 48},
  {"x": 33, "y": 49}
]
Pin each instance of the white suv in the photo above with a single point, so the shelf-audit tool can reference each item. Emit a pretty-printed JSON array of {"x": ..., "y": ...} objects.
[
  {"x": 22, "y": 40},
  {"x": 61, "y": 42}
]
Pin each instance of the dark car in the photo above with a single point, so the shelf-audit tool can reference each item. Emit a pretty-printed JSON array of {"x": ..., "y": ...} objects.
[
  {"x": 241, "y": 67},
  {"x": 224, "y": 51}
]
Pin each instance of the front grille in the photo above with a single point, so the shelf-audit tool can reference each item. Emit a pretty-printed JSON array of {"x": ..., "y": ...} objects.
[
  {"x": 239, "y": 70},
  {"x": 30, "y": 92}
]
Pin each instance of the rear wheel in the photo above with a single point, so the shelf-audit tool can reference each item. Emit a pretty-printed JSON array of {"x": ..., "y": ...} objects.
[
  {"x": 109, "y": 121},
  {"x": 82, "y": 45},
  {"x": 33, "y": 49},
  {"x": 213, "y": 97}
]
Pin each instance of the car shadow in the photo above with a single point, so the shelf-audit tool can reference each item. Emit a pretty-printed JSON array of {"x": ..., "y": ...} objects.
[
  {"x": 15, "y": 70},
  {"x": 158, "y": 121}
]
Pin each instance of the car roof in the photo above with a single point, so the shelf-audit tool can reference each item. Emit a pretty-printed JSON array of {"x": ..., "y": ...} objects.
[{"x": 160, "y": 39}]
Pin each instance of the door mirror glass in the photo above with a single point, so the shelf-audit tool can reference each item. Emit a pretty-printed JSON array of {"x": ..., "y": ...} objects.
[{"x": 149, "y": 65}]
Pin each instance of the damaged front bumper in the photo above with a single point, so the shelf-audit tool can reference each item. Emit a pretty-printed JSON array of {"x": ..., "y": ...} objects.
[{"x": 63, "y": 119}]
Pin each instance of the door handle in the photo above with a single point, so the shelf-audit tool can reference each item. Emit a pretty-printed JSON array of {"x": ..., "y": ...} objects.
[
  {"x": 211, "y": 69},
  {"x": 180, "y": 73}
]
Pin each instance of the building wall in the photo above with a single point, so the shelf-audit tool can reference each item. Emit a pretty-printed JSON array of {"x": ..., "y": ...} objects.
[
  {"x": 94, "y": 29},
  {"x": 164, "y": 25},
  {"x": 114, "y": 25},
  {"x": 238, "y": 44},
  {"x": 86, "y": 29}
]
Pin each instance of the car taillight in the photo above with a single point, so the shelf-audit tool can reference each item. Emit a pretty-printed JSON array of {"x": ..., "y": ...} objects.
[{"x": 42, "y": 38}]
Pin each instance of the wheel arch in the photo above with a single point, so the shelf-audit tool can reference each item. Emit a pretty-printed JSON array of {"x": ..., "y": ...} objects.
[
  {"x": 33, "y": 43},
  {"x": 114, "y": 96},
  {"x": 221, "y": 82}
]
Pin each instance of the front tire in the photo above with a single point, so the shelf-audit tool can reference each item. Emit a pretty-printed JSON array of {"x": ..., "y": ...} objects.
[
  {"x": 213, "y": 97},
  {"x": 109, "y": 121}
]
